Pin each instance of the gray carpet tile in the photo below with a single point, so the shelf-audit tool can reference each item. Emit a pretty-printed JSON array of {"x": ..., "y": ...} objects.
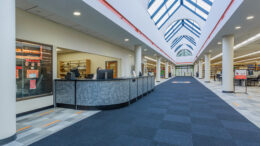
[{"x": 174, "y": 114}]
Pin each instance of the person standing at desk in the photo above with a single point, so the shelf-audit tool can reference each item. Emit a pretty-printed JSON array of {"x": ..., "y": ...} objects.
[{"x": 95, "y": 75}]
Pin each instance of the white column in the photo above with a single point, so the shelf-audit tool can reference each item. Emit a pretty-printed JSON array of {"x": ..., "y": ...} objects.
[
  {"x": 194, "y": 69},
  {"x": 145, "y": 72},
  {"x": 200, "y": 69},
  {"x": 138, "y": 59},
  {"x": 171, "y": 70},
  {"x": 158, "y": 69},
  {"x": 207, "y": 68},
  {"x": 54, "y": 62},
  {"x": 7, "y": 77},
  {"x": 227, "y": 64},
  {"x": 166, "y": 70}
]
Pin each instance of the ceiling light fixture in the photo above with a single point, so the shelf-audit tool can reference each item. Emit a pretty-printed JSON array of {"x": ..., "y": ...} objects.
[
  {"x": 242, "y": 44},
  {"x": 248, "y": 60},
  {"x": 250, "y": 17},
  {"x": 238, "y": 27},
  {"x": 219, "y": 43},
  {"x": 126, "y": 39},
  {"x": 151, "y": 59},
  {"x": 76, "y": 13},
  {"x": 250, "y": 54},
  {"x": 145, "y": 49}
]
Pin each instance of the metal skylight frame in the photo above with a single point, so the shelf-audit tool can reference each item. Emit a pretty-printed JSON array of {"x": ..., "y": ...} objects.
[
  {"x": 184, "y": 52},
  {"x": 178, "y": 48},
  {"x": 176, "y": 26},
  {"x": 162, "y": 10},
  {"x": 178, "y": 40}
]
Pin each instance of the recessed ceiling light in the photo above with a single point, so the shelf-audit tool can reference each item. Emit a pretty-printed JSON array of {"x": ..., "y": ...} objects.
[
  {"x": 219, "y": 43},
  {"x": 76, "y": 13},
  {"x": 250, "y": 17},
  {"x": 126, "y": 40},
  {"x": 237, "y": 27},
  {"x": 145, "y": 49}
]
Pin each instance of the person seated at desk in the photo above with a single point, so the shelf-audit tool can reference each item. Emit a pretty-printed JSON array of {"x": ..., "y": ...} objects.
[
  {"x": 95, "y": 75},
  {"x": 73, "y": 74}
]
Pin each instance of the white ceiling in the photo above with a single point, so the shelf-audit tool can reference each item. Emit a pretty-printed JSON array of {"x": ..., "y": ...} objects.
[
  {"x": 90, "y": 22},
  {"x": 95, "y": 24},
  {"x": 249, "y": 28}
]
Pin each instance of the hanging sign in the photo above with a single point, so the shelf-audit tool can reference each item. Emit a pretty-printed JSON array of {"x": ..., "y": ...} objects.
[{"x": 240, "y": 74}]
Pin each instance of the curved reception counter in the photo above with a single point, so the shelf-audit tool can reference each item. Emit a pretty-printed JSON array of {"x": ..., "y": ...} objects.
[{"x": 101, "y": 94}]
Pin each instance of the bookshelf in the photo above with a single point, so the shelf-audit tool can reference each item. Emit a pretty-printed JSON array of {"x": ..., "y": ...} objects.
[{"x": 82, "y": 65}]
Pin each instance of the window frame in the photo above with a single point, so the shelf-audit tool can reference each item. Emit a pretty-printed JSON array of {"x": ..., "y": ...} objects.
[{"x": 45, "y": 94}]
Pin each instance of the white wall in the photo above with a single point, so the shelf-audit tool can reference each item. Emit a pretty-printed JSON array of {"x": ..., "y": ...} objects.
[
  {"x": 36, "y": 103},
  {"x": 34, "y": 28}
]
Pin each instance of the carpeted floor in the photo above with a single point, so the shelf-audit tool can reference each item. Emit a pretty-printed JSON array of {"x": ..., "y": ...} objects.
[{"x": 179, "y": 113}]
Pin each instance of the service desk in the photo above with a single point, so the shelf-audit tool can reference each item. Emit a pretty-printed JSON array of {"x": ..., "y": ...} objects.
[{"x": 101, "y": 94}]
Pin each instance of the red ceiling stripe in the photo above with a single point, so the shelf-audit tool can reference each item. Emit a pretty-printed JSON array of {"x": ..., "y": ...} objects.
[
  {"x": 105, "y": 3},
  {"x": 221, "y": 18}
]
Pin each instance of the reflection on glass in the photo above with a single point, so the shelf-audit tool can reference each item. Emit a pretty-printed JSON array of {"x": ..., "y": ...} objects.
[{"x": 33, "y": 69}]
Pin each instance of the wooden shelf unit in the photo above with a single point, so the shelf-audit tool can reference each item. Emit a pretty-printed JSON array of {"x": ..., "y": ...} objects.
[{"x": 82, "y": 65}]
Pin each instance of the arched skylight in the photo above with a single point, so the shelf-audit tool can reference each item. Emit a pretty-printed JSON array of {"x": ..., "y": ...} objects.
[
  {"x": 176, "y": 26},
  {"x": 184, "y": 52},
  {"x": 162, "y": 10},
  {"x": 180, "y": 38}
]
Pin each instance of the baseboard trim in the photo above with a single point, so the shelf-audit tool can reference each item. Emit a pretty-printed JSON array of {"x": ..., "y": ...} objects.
[
  {"x": 228, "y": 91},
  {"x": 8, "y": 139},
  {"x": 34, "y": 111}
]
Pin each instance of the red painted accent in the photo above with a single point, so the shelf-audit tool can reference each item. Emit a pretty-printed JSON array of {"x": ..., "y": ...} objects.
[
  {"x": 105, "y": 3},
  {"x": 18, "y": 67},
  {"x": 221, "y": 18}
]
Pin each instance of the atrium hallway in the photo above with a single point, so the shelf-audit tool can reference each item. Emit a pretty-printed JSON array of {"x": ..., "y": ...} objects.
[{"x": 180, "y": 111}]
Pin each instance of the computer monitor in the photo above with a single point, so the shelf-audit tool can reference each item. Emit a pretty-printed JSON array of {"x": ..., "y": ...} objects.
[
  {"x": 76, "y": 72},
  {"x": 89, "y": 76},
  {"x": 104, "y": 74}
]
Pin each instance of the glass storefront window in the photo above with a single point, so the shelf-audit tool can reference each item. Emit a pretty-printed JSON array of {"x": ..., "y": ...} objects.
[{"x": 33, "y": 70}]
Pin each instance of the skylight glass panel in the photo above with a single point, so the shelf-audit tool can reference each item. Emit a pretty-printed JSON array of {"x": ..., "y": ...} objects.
[
  {"x": 184, "y": 52},
  {"x": 162, "y": 20},
  {"x": 188, "y": 24},
  {"x": 177, "y": 40},
  {"x": 202, "y": 14},
  {"x": 154, "y": 6},
  {"x": 174, "y": 7},
  {"x": 178, "y": 48},
  {"x": 161, "y": 10},
  {"x": 204, "y": 5},
  {"x": 169, "y": 3}
]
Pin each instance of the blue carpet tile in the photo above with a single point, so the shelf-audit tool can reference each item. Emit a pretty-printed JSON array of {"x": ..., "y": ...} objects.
[{"x": 174, "y": 114}]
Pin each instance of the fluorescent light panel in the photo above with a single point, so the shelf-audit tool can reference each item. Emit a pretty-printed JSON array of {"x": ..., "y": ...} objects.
[{"x": 242, "y": 44}]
